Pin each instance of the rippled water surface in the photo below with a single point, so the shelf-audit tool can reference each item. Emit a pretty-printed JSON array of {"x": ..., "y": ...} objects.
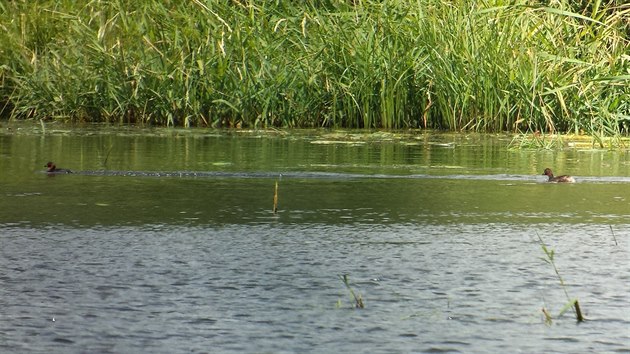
[{"x": 164, "y": 241}]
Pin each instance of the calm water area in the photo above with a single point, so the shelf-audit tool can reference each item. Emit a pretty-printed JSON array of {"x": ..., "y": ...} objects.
[{"x": 164, "y": 241}]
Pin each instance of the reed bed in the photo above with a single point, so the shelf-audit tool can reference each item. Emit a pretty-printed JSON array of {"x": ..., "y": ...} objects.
[{"x": 480, "y": 65}]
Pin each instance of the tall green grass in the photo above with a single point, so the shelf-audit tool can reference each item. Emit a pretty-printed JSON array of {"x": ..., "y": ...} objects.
[{"x": 462, "y": 65}]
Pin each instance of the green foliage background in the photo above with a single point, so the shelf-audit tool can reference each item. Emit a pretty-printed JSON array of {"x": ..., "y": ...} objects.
[{"x": 485, "y": 65}]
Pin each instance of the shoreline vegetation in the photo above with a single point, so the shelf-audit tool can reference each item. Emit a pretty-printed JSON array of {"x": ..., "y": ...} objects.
[{"x": 519, "y": 66}]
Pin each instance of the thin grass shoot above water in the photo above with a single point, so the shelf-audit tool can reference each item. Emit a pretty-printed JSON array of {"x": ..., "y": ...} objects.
[
  {"x": 613, "y": 235},
  {"x": 358, "y": 300},
  {"x": 571, "y": 303},
  {"x": 275, "y": 199}
]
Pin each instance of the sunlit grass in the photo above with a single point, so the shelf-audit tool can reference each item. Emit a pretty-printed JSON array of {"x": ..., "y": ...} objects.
[{"x": 457, "y": 65}]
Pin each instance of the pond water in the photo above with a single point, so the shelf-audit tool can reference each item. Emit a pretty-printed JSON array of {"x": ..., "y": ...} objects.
[{"x": 164, "y": 241}]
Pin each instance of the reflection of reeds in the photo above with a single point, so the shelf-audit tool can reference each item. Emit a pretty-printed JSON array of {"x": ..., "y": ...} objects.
[
  {"x": 572, "y": 303},
  {"x": 370, "y": 63},
  {"x": 106, "y": 157}
]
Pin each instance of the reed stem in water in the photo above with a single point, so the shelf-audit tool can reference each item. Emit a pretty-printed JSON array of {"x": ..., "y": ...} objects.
[
  {"x": 275, "y": 199},
  {"x": 572, "y": 303},
  {"x": 358, "y": 300},
  {"x": 613, "y": 233}
]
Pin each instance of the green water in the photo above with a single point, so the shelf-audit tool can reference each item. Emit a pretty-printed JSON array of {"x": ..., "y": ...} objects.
[
  {"x": 381, "y": 177},
  {"x": 165, "y": 241}
]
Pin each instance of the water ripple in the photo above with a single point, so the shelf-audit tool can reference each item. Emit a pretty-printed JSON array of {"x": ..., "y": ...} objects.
[
  {"x": 334, "y": 175},
  {"x": 275, "y": 288}
]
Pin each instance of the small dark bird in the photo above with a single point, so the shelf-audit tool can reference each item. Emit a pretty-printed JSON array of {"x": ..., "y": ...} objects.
[
  {"x": 559, "y": 179},
  {"x": 51, "y": 168}
]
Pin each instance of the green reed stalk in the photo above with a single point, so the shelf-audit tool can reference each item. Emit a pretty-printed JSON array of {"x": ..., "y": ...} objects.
[
  {"x": 572, "y": 303},
  {"x": 275, "y": 199},
  {"x": 358, "y": 300},
  {"x": 613, "y": 235}
]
